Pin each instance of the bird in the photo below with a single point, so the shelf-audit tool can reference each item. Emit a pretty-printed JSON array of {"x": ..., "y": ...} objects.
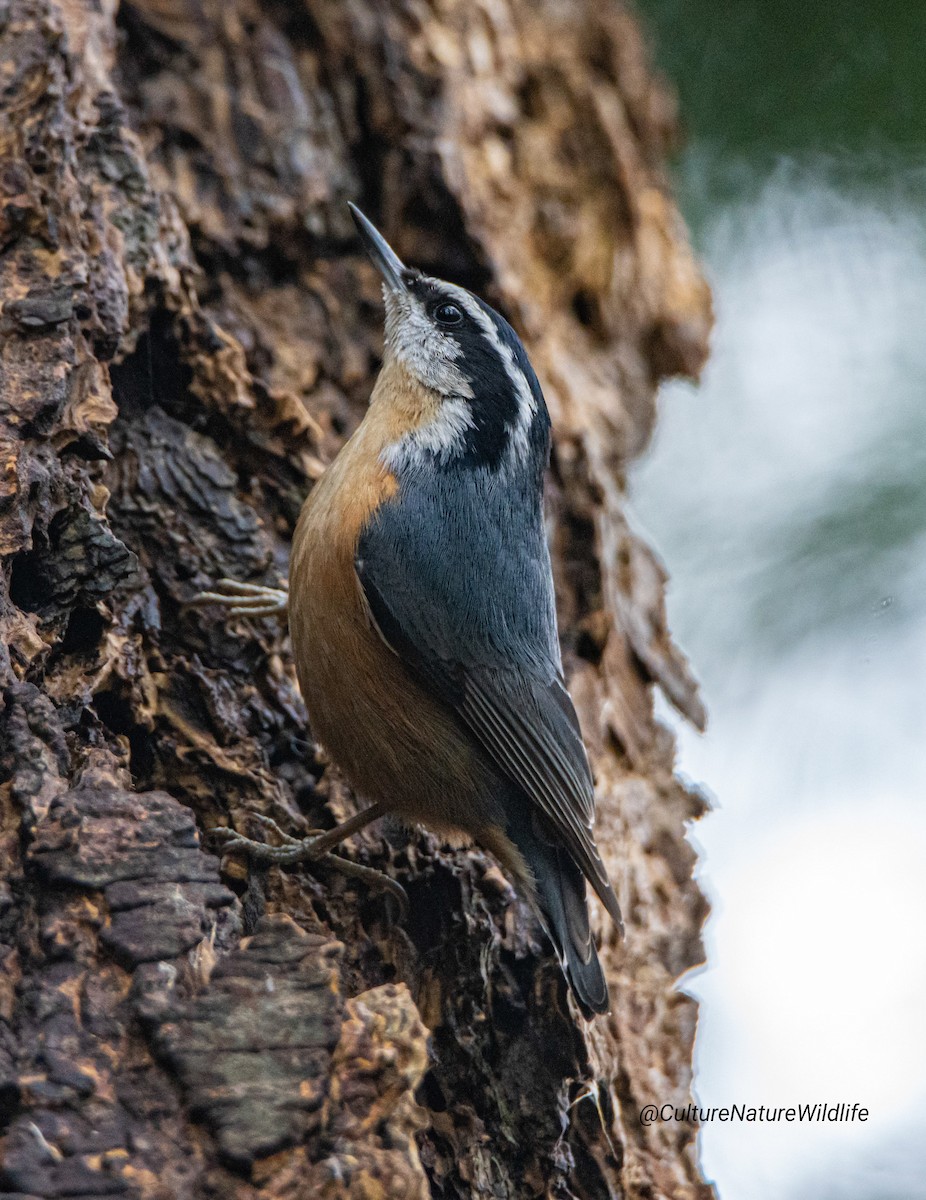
[{"x": 422, "y": 616}]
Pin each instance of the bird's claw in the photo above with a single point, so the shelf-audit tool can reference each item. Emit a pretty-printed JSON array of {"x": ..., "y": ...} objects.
[
  {"x": 245, "y": 599},
  {"x": 286, "y": 838},
  {"x": 293, "y": 850},
  {"x": 378, "y": 880},
  {"x": 306, "y": 849}
]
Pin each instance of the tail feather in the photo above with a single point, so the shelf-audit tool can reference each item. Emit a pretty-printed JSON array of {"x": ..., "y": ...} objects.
[
  {"x": 561, "y": 901},
  {"x": 559, "y": 897}
]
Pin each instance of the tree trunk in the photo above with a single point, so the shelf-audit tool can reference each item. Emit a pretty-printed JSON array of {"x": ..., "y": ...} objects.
[{"x": 189, "y": 332}]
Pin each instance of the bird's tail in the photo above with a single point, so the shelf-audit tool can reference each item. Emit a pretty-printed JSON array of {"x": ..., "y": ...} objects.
[{"x": 558, "y": 893}]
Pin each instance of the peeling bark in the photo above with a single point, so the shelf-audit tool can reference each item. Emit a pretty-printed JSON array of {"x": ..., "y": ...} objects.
[{"x": 188, "y": 333}]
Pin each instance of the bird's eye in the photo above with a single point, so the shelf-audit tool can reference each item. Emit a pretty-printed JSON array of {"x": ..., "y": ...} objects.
[{"x": 448, "y": 314}]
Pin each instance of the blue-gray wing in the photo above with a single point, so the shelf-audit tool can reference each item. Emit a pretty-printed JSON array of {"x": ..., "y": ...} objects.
[{"x": 478, "y": 630}]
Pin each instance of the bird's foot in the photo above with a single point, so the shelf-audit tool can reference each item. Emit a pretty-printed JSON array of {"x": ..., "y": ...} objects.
[
  {"x": 246, "y": 599},
  {"x": 271, "y": 826},
  {"x": 315, "y": 847}
]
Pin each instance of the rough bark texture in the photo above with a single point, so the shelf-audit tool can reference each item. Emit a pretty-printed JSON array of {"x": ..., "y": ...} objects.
[{"x": 188, "y": 334}]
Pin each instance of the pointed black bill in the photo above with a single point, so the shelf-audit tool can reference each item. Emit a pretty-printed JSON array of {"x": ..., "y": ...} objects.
[{"x": 383, "y": 257}]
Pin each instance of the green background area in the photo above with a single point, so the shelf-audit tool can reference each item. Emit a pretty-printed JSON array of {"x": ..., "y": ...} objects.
[{"x": 843, "y": 81}]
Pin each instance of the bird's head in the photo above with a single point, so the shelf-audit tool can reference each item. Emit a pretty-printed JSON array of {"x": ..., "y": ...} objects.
[{"x": 487, "y": 409}]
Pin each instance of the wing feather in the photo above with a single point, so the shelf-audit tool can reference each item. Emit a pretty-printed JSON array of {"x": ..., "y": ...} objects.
[
  {"x": 522, "y": 716},
  {"x": 514, "y": 726}
]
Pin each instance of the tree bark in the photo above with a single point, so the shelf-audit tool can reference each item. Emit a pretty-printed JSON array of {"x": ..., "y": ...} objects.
[{"x": 189, "y": 332}]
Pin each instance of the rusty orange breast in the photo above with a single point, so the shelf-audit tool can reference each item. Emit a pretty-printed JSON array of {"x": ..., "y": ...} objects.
[{"x": 394, "y": 742}]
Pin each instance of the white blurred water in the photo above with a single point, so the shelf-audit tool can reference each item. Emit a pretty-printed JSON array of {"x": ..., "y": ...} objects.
[{"x": 788, "y": 496}]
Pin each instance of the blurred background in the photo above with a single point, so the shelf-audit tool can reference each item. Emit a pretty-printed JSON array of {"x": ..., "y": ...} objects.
[{"x": 787, "y": 493}]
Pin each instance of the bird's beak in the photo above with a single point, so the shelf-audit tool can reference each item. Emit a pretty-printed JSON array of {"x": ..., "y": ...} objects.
[{"x": 384, "y": 258}]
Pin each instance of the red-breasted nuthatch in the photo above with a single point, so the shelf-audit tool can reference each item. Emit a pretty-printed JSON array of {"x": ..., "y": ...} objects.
[{"x": 422, "y": 614}]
